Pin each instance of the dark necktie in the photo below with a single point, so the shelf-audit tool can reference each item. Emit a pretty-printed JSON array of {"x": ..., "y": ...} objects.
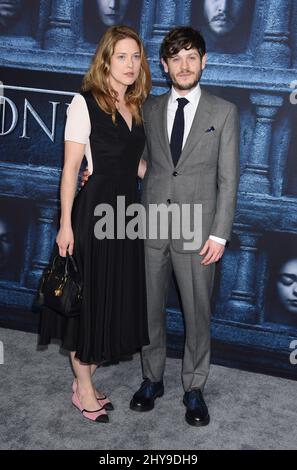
[{"x": 177, "y": 134}]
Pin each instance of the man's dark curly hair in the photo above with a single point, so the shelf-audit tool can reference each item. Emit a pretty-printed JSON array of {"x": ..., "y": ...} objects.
[{"x": 182, "y": 37}]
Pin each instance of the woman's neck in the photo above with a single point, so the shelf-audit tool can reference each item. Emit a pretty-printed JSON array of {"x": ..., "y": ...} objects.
[{"x": 120, "y": 89}]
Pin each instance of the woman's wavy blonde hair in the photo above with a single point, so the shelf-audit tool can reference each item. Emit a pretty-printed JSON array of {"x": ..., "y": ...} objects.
[{"x": 97, "y": 77}]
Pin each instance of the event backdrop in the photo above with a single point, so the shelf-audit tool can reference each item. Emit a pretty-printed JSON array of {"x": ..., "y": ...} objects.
[{"x": 45, "y": 48}]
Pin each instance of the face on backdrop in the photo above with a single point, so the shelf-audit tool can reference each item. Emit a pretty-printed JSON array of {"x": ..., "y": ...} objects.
[
  {"x": 125, "y": 63},
  {"x": 287, "y": 286},
  {"x": 185, "y": 69},
  {"x": 222, "y": 16},
  {"x": 112, "y": 12},
  {"x": 7, "y": 245},
  {"x": 9, "y": 9}
]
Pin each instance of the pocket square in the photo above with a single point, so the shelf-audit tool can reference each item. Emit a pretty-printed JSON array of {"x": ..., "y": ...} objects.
[{"x": 210, "y": 129}]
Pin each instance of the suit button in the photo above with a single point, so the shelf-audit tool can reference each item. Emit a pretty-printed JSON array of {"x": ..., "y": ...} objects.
[
  {"x": 175, "y": 173},
  {"x": 168, "y": 201}
]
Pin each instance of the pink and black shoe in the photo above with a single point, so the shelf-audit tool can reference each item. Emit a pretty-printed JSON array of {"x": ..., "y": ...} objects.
[
  {"x": 100, "y": 415},
  {"x": 104, "y": 402}
]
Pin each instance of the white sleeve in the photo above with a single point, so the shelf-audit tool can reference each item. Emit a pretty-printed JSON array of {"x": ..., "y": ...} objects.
[
  {"x": 217, "y": 239},
  {"x": 78, "y": 125}
]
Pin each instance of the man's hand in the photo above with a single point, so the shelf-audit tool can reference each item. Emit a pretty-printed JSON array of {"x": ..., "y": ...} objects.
[
  {"x": 84, "y": 177},
  {"x": 213, "y": 251}
]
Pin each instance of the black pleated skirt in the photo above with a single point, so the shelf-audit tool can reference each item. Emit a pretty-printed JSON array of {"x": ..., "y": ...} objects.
[{"x": 113, "y": 319}]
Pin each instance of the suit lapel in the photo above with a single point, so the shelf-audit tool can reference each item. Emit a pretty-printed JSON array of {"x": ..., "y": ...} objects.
[
  {"x": 199, "y": 125},
  {"x": 159, "y": 119}
]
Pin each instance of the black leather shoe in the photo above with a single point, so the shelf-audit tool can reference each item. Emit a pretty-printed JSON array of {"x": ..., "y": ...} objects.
[
  {"x": 197, "y": 412},
  {"x": 144, "y": 398}
]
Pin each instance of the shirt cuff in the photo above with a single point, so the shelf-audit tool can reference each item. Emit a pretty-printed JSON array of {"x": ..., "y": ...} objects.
[{"x": 217, "y": 239}]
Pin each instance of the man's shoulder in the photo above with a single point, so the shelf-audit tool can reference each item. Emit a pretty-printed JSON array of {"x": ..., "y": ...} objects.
[
  {"x": 154, "y": 100},
  {"x": 219, "y": 103}
]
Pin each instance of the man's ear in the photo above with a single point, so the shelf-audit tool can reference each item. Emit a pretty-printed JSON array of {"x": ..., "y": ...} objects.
[
  {"x": 165, "y": 66},
  {"x": 203, "y": 61}
]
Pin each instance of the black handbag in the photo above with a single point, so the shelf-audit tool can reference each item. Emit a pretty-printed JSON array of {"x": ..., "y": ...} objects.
[{"x": 61, "y": 286}]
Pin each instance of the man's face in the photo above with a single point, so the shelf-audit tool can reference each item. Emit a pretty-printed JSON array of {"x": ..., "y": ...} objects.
[
  {"x": 287, "y": 286},
  {"x": 185, "y": 68},
  {"x": 222, "y": 16},
  {"x": 112, "y": 12},
  {"x": 8, "y": 11}
]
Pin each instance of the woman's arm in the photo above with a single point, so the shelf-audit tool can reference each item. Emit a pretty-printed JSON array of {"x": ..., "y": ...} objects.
[{"x": 74, "y": 153}]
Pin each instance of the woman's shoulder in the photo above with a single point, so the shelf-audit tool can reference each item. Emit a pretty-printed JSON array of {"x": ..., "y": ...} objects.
[
  {"x": 78, "y": 100},
  {"x": 91, "y": 102},
  {"x": 83, "y": 101},
  {"x": 77, "y": 127},
  {"x": 78, "y": 106},
  {"x": 95, "y": 111},
  {"x": 87, "y": 95}
]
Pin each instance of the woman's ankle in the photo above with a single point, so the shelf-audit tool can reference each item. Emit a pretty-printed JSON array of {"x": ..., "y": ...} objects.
[{"x": 84, "y": 388}]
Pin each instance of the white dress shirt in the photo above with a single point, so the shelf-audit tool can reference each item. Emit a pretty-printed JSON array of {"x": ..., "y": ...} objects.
[{"x": 189, "y": 112}]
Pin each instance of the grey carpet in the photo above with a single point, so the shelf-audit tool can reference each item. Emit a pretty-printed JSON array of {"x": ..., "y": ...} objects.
[{"x": 248, "y": 411}]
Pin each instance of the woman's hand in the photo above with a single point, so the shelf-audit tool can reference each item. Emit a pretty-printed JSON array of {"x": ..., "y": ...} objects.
[
  {"x": 65, "y": 240},
  {"x": 142, "y": 168}
]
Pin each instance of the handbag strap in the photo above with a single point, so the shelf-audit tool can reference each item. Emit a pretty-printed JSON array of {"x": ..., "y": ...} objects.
[
  {"x": 69, "y": 259},
  {"x": 54, "y": 262}
]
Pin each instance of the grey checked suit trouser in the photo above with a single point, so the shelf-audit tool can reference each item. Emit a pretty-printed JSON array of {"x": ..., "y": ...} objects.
[{"x": 207, "y": 173}]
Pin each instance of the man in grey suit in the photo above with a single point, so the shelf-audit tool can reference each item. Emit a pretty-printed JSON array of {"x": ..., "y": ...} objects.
[{"x": 192, "y": 158}]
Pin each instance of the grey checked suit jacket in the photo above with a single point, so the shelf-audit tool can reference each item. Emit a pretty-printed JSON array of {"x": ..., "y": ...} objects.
[{"x": 208, "y": 168}]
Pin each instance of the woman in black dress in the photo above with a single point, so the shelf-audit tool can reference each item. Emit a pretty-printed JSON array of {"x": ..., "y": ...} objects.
[{"x": 104, "y": 124}]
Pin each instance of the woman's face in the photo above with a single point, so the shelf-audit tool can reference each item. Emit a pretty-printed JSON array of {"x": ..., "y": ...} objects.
[
  {"x": 112, "y": 12},
  {"x": 287, "y": 285},
  {"x": 125, "y": 63}
]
